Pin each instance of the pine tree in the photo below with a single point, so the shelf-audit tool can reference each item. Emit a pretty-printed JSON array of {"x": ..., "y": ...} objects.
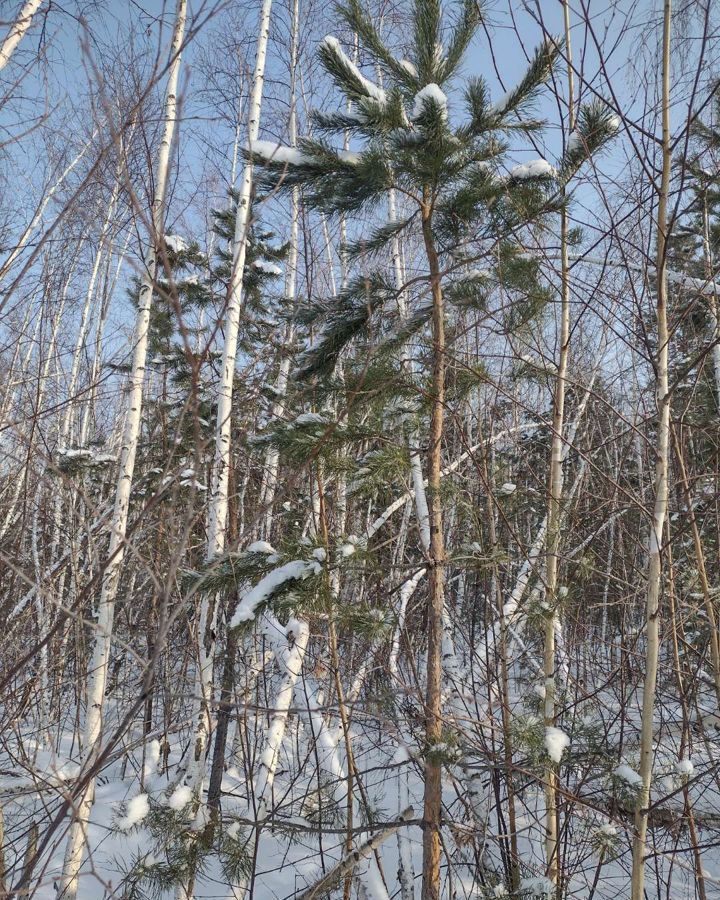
[{"x": 457, "y": 201}]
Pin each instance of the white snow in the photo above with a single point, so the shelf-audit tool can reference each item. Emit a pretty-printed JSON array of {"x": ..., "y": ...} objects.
[
  {"x": 608, "y": 830},
  {"x": 429, "y": 92},
  {"x": 684, "y": 767},
  {"x": 137, "y": 809},
  {"x": 628, "y": 775},
  {"x": 279, "y": 153},
  {"x": 508, "y": 488},
  {"x": 409, "y": 67},
  {"x": 310, "y": 418},
  {"x": 575, "y": 142},
  {"x": 556, "y": 742},
  {"x": 86, "y": 454},
  {"x": 152, "y": 758},
  {"x": 537, "y": 887},
  {"x": 536, "y": 168},
  {"x": 267, "y": 268},
  {"x": 175, "y": 243},
  {"x": 346, "y": 550},
  {"x": 294, "y": 570},
  {"x": 180, "y": 797},
  {"x": 202, "y": 817},
  {"x": 349, "y": 156},
  {"x": 320, "y": 554},
  {"x": 260, "y": 547},
  {"x": 372, "y": 90},
  {"x": 294, "y": 629}
]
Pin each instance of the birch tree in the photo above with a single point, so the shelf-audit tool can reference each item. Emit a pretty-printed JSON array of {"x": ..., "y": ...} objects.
[
  {"x": 98, "y": 670},
  {"x": 660, "y": 486},
  {"x": 17, "y": 30}
]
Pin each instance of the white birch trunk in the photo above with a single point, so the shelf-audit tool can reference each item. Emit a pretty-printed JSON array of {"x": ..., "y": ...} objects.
[
  {"x": 17, "y": 30},
  {"x": 29, "y": 230},
  {"x": 291, "y": 660},
  {"x": 218, "y": 504},
  {"x": 554, "y": 511},
  {"x": 217, "y": 517},
  {"x": 98, "y": 670},
  {"x": 43, "y": 373},
  {"x": 662, "y": 393},
  {"x": 354, "y": 857},
  {"x": 272, "y": 456}
]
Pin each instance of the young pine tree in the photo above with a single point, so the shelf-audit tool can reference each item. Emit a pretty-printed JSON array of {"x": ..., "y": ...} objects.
[{"x": 460, "y": 205}]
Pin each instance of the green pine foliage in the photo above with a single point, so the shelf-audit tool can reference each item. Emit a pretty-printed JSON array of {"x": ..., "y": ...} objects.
[
  {"x": 180, "y": 852},
  {"x": 409, "y": 141}
]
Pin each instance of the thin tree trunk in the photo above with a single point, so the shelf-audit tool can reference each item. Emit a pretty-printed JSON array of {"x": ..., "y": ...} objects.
[
  {"x": 218, "y": 506},
  {"x": 713, "y": 302},
  {"x": 652, "y": 613},
  {"x": 97, "y": 673},
  {"x": 555, "y": 491},
  {"x": 436, "y": 595},
  {"x": 272, "y": 456},
  {"x": 351, "y": 859},
  {"x": 221, "y": 463},
  {"x": 17, "y": 30}
]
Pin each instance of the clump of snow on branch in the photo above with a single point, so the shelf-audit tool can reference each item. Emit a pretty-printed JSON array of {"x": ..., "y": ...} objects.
[
  {"x": 278, "y": 153},
  {"x": 431, "y": 92},
  {"x": 137, "y": 809},
  {"x": 260, "y": 547},
  {"x": 556, "y": 742},
  {"x": 295, "y": 570},
  {"x": 180, "y": 797},
  {"x": 536, "y": 168},
  {"x": 310, "y": 418},
  {"x": 372, "y": 90},
  {"x": 628, "y": 775},
  {"x": 175, "y": 243},
  {"x": 267, "y": 268}
]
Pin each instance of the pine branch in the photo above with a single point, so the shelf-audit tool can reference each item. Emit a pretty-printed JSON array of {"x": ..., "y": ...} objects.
[
  {"x": 345, "y": 320},
  {"x": 470, "y": 19},
  {"x": 524, "y": 94},
  {"x": 428, "y": 36},
  {"x": 358, "y": 20},
  {"x": 378, "y": 239},
  {"x": 596, "y": 126}
]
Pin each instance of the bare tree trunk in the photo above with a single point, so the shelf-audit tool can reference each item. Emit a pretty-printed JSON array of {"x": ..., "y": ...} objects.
[
  {"x": 436, "y": 595},
  {"x": 652, "y": 613},
  {"x": 218, "y": 507},
  {"x": 351, "y": 859},
  {"x": 221, "y": 464},
  {"x": 98, "y": 670},
  {"x": 713, "y": 302},
  {"x": 17, "y": 30},
  {"x": 554, "y": 506},
  {"x": 272, "y": 456}
]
